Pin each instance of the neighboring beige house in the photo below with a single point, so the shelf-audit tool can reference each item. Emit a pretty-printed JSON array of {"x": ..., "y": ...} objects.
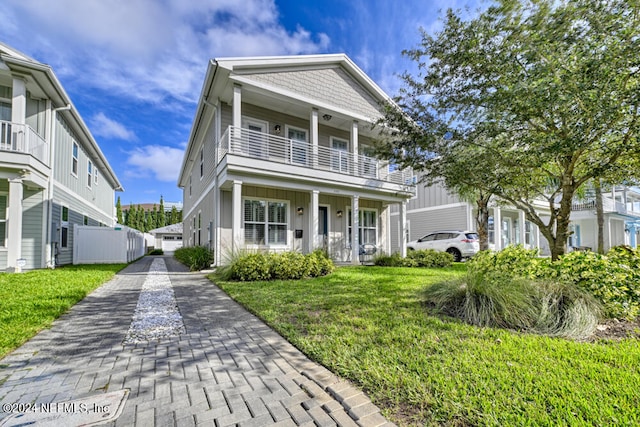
[
  {"x": 52, "y": 172},
  {"x": 168, "y": 238},
  {"x": 279, "y": 158}
]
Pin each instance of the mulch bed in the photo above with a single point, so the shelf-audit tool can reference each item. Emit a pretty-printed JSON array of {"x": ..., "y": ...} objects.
[{"x": 618, "y": 329}]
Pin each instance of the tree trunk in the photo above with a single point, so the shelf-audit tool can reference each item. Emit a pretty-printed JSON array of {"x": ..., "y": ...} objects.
[
  {"x": 482, "y": 221},
  {"x": 599, "y": 215}
]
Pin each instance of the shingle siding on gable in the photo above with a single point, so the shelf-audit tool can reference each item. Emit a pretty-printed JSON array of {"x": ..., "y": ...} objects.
[{"x": 334, "y": 86}]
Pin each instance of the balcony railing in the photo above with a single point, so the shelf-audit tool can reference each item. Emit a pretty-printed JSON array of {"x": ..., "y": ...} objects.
[
  {"x": 258, "y": 145},
  {"x": 608, "y": 205},
  {"x": 22, "y": 138}
]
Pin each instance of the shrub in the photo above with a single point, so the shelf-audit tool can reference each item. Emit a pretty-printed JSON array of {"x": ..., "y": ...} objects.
[
  {"x": 319, "y": 263},
  {"x": 613, "y": 279},
  {"x": 289, "y": 266},
  {"x": 429, "y": 258},
  {"x": 194, "y": 257},
  {"x": 384, "y": 260},
  {"x": 423, "y": 258},
  {"x": 512, "y": 261},
  {"x": 156, "y": 252},
  {"x": 251, "y": 266}
]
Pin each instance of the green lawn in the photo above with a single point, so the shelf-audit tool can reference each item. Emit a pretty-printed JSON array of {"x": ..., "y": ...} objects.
[
  {"x": 31, "y": 301},
  {"x": 368, "y": 324}
]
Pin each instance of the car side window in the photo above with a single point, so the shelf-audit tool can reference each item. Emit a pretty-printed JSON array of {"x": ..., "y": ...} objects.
[
  {"x": 429, "y": 237},
  {"x": 443, "y": 236}
]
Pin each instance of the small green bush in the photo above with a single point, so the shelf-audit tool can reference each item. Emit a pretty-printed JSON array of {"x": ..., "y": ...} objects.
[
  {"x": 156, "y": 252},
  {"x": 195, "y": 257},
  {"x": 427, "y": 258},
  {"x": 319, "y": 263},
  {"x": 251, "y": 267},
  {"x": 512, "y": 261},
  {"x": 289, "y": 266}
]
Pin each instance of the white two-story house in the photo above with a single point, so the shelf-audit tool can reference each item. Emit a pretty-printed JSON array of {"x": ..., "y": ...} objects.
[
  {"x": 52, "y": 172},
  {"x": 279, "y": 158}
]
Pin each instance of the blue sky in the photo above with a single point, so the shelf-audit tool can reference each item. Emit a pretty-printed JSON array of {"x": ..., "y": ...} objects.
[{"x": 134, "y": 68}]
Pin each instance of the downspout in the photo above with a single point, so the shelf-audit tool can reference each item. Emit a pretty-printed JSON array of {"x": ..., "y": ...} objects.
[{"x": 52, "y": 128}]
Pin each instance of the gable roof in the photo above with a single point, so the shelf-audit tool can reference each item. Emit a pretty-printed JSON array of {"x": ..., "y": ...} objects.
[
  {"x": 329, "y": 82},
  {"x": 43, "y": 76},
  {"x": 168, "y": 229}
]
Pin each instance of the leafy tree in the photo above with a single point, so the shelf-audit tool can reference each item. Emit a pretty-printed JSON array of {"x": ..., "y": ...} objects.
[
  {"x": 161, "y": 219},
  {"x": 174, "y": 218},
  {"x": 548, "y": 90},
  {"x": 119, "y": 217},
  {"x": 153, "y": 218}
]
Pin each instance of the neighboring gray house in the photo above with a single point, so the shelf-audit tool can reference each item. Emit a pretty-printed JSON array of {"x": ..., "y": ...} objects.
[
  {"x": 52, "y": 172},
  {"x": 279, "y": 158},
  {"x": 435, "y": 208},
  {"x": 168, "y": 238}
]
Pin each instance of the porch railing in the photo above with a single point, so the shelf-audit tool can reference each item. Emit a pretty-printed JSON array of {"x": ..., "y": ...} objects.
[
  {"x": 258, "y": 145},
  {"x": 22, "y": 138}
]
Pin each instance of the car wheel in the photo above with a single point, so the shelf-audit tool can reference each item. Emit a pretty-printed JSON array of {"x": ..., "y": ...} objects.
[{"x": 457, "y": 256}]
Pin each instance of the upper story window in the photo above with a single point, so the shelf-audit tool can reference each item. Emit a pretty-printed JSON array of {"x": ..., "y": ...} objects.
[
  {"x": 201, "y": 162},
  {"x": 190, "y": 186},
  {"x": 74, "y": 159},
  {"x": 89, "y": 173},
  {"x": 95, "y": 175},
  {"x": 5, "y": 111}
]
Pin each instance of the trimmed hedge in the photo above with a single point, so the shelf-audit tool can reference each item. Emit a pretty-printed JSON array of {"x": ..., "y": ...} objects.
[
  {"x": 195, "y": 257},
  {"x": 248, "y": 267},
  {"x": 156, "y": 252},
  {"x": 427, "y": 258}
]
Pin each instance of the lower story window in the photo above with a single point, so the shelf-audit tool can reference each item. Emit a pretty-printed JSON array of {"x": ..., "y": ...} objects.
[
  {"x": 265, "y": 222},
  {"x": 3, "y": 221},
  {"x": 367, "y": 227},
  {"x": 64, "y": 228}
]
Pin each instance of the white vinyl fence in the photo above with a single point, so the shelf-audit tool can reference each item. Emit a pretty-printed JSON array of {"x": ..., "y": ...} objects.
[{"x": 106, "y": 245}]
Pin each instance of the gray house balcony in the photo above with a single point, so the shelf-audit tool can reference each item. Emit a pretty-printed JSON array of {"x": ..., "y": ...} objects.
[
  {"x": 22, "y": 139},
  {"x": 268, "y": 152}
]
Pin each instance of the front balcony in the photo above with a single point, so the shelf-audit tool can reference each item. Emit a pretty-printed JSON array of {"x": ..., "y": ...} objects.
[
  {"x": 285, "y": 151},
  {"x": 22, "y": 139}
]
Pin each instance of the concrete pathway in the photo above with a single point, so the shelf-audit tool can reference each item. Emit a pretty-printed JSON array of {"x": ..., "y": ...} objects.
[{"x": 228, "y": 368}]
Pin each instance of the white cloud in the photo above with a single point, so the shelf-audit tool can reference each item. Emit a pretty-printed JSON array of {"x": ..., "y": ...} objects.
[
  {"x": 149, "y": 50},
  {"x": 160, "y": 161},
  {"x": 103, "y": 126}
]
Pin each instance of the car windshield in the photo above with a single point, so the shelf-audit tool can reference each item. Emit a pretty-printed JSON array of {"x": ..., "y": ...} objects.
[{"x": 471, "y": 236}]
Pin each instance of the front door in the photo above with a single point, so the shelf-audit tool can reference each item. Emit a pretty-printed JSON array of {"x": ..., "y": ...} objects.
[{"x": 323, "y": 226}]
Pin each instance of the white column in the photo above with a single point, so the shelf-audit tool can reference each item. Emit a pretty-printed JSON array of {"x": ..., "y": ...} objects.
[
  {"x": 237, "y": 109},
  {"x": 497, "y": 228},
  {"x": 236, "y": 215},
  {"x": 355, "y": 227},
  {"x": 314, "y": 221},
  {"x": 19, "y": 101},
  {"x": 314, "y": 137},
  {"x": 386, "y": 232},
  {"x": 403, "y": 229},
  {"x": 14, "y": 224},
  {"x": 521, "y": 220},
  {"x": 354, "y": 147}
]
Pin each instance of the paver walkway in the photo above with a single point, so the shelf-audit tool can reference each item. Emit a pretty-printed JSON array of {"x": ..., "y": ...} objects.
[{"x": 229, "y": 368}]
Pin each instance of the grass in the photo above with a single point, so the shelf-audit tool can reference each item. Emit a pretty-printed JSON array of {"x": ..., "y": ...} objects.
[
  {"x": 31, "y": 301},
  {"x": 369, "y": 325}
]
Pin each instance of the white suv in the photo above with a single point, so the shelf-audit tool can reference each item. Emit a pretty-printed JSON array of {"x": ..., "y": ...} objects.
[{"x": 460, "y": 244}]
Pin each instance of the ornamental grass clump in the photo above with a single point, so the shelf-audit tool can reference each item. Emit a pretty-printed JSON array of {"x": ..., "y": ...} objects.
[{"x": 516, "y": 290}]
